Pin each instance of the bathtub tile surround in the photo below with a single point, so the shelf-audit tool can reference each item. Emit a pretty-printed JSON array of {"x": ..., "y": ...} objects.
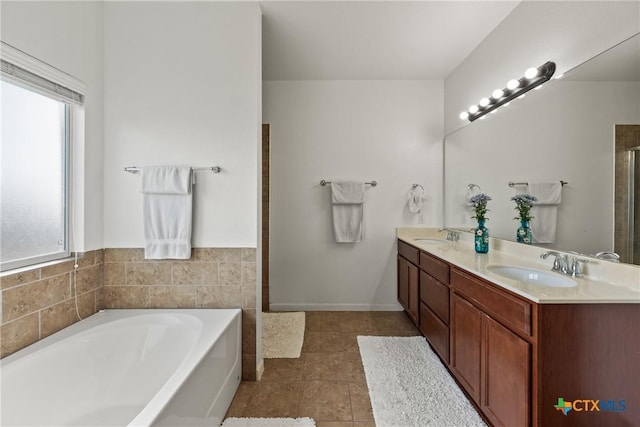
[
  {"x": 39, "y": 302},
  {"x": 212, "y": 278}
]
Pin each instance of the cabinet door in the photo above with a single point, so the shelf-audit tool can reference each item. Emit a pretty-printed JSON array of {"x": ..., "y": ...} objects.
[
  {"x": 403, "y": 282},
  {"x": 414, "y": 292},
  {"x": 506, "y": 380},
  {"x": 408, "y": 288},
  {"x": 466, "y": 335}
]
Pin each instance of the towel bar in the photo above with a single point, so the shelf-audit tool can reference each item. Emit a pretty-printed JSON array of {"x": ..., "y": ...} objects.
[
  {"x": 514, "y": 184},
  {"x": 372, "y": 183},
  {"x": 136, "y": 169}
]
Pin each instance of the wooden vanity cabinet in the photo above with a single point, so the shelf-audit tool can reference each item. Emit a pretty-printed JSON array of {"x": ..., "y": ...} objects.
[
  {"x": 434, "y": 303},
  {"x": 408, "y": 280},
  {"x": 491, "y": 349},
  {"x": 515, "y": 358}
]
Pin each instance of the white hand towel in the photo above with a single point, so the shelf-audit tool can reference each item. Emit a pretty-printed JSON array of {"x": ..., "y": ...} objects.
[
  {"x": 416, "y": 199},
  {"x": 545, "y": 210},
  {"x": 347, "y": 199},
  {"x": 167, "y": 212}
]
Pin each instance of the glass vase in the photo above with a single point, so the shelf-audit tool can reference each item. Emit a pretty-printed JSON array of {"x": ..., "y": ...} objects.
[
  {"x": 523, "y": 235},
  {"x": 482, "y": 238}
]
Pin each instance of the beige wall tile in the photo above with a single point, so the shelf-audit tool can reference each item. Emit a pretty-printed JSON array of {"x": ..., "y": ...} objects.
[
  {"x": 100, "y": 301},
  {"x": 195, "y": 273},
  {"x": 219, "y": 297},
  {"x": 248, "y": 254},
  {"x": 56, "y": 269},
  {"x": 123, "y": 255},
  {"x": 19, "y": 334},
  {"x": 25, "y": 299},
  {"x": 172, "y": 297},
  {"x": 126, "y": 296},
  {"x": 249, "y": 275},
  {"x": 88, "y": 279},
  {"x": 57, "y": 317},
  {"x": 230, "y": 274},
  {"x": 248, "y": 297},
  {"x": 229, "y": 254},
  {"x": 19, "y": 278},
  {"x": 206, "y": 254},
  {"x": 87, "y": 303},
  {"x": 148, "y": 273},
  {"x": 114, "y": 274}
]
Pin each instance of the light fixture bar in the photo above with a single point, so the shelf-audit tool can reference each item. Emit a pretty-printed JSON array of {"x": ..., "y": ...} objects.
[{"x": 533, "y": 78}]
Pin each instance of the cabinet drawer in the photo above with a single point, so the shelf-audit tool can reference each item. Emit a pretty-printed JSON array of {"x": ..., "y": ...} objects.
[
  {"x": 408, "y": 252},
  {"x": 435, "y": 267},
  {"x": 435, "y": 295},
  {"x": 496, "y": 303},
  {"x": 436, "y": 332}
]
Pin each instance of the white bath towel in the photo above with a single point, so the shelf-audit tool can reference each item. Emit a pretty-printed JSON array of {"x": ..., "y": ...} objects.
[
  {"x": 545, "y": 210},
  {"x": 416, "y": 199},
  {"x": 167, "y": 212},
  {"x": 347, "y": 199}
]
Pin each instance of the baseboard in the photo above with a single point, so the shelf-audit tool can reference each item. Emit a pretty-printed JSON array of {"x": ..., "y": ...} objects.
[{"x": 333, "y": 307}]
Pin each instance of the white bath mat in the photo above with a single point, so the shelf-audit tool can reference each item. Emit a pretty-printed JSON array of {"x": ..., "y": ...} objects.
[
  {"x": 409, "y": 386},
  {"x": 282, "y": 335},
  {"x": 269, "y": 422}
]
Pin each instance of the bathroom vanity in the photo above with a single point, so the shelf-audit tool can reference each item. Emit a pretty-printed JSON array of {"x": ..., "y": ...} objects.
[{"x": 521, "y": 349}]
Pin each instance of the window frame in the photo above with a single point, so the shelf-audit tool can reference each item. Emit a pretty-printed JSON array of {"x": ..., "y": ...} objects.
[{"x": 67, "y": 82}]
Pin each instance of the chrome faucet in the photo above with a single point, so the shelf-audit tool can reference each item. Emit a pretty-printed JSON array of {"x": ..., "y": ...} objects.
[
  {"x": 562, "y": 264},
  {"x": 453, "y": 234},
  {"x": 608, "y": 256}
]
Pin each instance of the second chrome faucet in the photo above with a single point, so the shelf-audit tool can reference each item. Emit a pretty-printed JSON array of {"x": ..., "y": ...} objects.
[{"x": 562, "y": 264}]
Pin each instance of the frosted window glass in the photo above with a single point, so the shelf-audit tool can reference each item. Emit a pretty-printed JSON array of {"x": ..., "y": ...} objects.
[{"x": 32, "y": 187}]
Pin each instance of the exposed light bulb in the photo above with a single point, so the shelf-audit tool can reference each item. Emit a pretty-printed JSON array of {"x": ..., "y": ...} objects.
[
  {"x": 464, "y": 115},
  {"x": 513, "y": 84},
  {"x": 497, "y": 94},
  {"x": 473, "y": 109},
  {"x": 484, "y": 102},
  {"x": 531, "y": 73},
  {"x": 559, "y": 76}
]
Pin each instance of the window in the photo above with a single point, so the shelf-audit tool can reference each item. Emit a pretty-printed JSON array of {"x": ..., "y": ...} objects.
[{"x": 34, "y": 167}]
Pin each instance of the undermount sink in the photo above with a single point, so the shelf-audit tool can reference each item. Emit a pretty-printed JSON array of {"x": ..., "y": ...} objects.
[
  {"x": 532, "y": 276},
  {"x": 429, "y": 240}
]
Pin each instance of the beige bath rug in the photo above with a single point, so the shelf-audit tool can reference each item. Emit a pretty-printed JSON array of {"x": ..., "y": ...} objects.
[
  {"x": 269, "y": 422},
  {"x": 282, "y": 335}
]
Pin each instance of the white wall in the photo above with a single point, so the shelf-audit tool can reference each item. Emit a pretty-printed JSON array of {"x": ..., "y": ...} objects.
[
  {"x": 182, "y": 86},
  {"x": 69, "y": 36},
  {"x": 388, "y": 131},
  {"x": 566, "y": 32}
]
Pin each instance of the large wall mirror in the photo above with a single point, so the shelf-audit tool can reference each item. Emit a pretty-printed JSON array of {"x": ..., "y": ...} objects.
[{"x": 583, "y": 129}]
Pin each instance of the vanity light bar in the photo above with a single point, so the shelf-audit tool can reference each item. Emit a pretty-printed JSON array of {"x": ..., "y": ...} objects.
[{"x": 532, "y": 78}]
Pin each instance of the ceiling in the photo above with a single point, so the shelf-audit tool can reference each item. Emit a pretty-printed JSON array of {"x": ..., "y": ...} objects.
[{"x": 373, "y": 40}]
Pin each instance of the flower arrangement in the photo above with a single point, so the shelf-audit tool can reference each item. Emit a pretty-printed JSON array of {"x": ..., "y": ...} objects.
[
  {"x": 524, "y": 203},
  {"x": 479, "y": 202}
]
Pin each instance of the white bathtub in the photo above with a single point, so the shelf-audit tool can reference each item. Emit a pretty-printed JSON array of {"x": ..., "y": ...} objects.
[{"x": 127, "y": 368}]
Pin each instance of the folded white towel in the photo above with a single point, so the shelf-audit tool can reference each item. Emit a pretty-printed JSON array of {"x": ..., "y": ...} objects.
[
  {"x": 167, "y": 212},
  {"x": 347, "y": 200},
  {"x": 545, "y": 210}
]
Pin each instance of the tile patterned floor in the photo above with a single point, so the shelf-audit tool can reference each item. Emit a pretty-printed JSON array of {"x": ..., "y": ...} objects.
[{"x": 327, "y": 382}]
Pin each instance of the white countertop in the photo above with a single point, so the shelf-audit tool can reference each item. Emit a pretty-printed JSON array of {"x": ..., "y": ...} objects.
[{"x": 603, "y": 281}]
